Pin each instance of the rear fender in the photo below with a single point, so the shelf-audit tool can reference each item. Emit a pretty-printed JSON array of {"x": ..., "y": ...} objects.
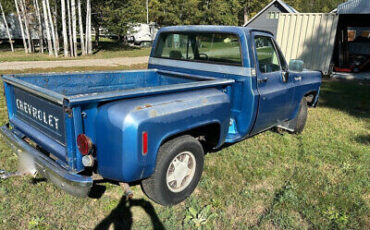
[{"x": 121, "y": 124}]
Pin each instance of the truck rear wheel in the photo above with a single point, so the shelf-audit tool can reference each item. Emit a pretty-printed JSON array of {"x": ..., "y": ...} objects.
[{"x": 178, "y": 171}]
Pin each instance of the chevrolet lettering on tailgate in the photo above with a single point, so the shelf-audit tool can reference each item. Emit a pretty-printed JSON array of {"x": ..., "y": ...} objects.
[
  {"x": 40, "y": 113},
  {"x": 48, "y": 119}
]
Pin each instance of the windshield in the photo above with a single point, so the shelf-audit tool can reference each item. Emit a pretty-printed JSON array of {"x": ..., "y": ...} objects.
[{"x": 202, "y": 47}]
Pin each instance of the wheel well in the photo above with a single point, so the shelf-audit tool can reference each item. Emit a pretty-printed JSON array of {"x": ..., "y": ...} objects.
[
  {"x": 208, "y": 135},
  {"x": 310, "y": 97}
]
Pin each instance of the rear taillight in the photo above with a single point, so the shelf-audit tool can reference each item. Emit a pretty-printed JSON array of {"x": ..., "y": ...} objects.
[
  {"x": 145, "y": 143},
  {"x": 84, "y": 144}
]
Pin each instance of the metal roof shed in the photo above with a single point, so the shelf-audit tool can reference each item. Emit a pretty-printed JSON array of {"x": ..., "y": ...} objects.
[
  {"x": 267, "y": 18},
  {"x": 321, "y": 40},
  {"x": 354, "y": 15},
  {"x": 354, "y": 7},
  {"x": 309, "y": 37}
]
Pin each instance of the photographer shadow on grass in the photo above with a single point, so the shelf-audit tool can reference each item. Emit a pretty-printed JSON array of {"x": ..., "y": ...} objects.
[{"x": 121, "y": 217}]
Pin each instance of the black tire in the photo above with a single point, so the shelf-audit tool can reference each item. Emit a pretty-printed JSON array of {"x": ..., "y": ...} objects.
[
  {"x": 301, "y": 117},
  {"x": 156, "y": 187}
]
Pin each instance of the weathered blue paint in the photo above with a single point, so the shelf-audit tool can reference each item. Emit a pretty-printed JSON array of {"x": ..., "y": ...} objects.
[
  {"x": 120, "y": 152},
  {"x": 170, "y": 98}
]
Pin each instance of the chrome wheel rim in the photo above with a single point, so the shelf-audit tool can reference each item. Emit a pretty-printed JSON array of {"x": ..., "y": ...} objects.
[{"x": 181, "y": 171}]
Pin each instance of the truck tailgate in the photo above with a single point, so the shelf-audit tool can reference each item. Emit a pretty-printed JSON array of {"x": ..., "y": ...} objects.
[{"x": 40, "y": 113}]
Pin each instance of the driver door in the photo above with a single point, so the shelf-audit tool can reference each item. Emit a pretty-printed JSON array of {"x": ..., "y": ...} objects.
[{"x": 273, "y": 83}]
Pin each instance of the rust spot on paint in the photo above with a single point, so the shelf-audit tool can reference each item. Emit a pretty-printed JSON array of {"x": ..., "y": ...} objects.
[
  {"x": 138, "y": 108},
  {"x": 153, "y": 113}
]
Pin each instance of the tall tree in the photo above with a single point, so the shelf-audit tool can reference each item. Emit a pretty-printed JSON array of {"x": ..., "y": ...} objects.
[
  {"x": 23, "y": 9},
  {"x": 82, "y": 40},
  {"x": 70, "y": 28},
  {"x": 119, "y": 16},
  {"x": 46, "y": 22},
  {"x": 52, "y": 28},
  {"x": 88, "y": 27},
  {"x": 74, "y": 26},
  {"x": 7, "y": 27},
  {"x": 64, "y": 29},
  {"x": 40, "y": 32},
  {"x": 21, "y": 26},
  {"x": 55, "y": 20}
]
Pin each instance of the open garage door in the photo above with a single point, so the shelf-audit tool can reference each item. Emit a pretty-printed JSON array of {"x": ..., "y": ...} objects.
[{"x": 309, "y": 37}]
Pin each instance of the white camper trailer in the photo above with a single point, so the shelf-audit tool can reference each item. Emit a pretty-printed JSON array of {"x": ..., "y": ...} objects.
[
  {"x": 15, "y": 29},
  {"x": 142, "y": 34}
]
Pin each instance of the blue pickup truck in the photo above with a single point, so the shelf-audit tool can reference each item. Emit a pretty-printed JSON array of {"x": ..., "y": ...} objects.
[{"x": 205, "y": 86}]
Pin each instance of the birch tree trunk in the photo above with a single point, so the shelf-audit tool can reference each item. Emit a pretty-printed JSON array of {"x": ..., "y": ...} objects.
[
  {"x": 82, "y": 40},
  {"x": 88, "y": 27},
  {"x": 52, "y": 29},
  {"x": 74, "y": 26},
  {"x": 55, "y": 18},
  {"x": 21, "y": 26},
  {"x": 70, "y": 27},
  {"x": 41, "y": 32},
  {"x": 245, "y": 14},
  {"x": 27, "y": 26},
  {"x": 64, "y": 28},
  {"x": 46, "y": 21},
  {"x": 7, "y": 28}
]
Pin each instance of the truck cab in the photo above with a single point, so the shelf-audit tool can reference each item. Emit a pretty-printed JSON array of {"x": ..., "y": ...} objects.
[{"x": 205, "y": 86}]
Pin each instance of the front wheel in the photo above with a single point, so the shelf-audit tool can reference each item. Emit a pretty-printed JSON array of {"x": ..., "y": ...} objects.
[
  {"x": 300, "y": 120},
  {"x": 178, "y": 171}
]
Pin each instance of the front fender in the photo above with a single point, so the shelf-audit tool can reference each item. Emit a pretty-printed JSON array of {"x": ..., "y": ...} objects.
[
  {"x": 310, "y": 84},
  {"x": 121, "y": 124}
]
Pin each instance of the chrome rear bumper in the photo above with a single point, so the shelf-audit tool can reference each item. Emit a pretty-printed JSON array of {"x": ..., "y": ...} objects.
[{"x": 70, "y": 182}]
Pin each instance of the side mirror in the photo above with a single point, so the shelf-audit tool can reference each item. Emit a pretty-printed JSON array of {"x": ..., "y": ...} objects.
[{"x": 296, "y": 65}]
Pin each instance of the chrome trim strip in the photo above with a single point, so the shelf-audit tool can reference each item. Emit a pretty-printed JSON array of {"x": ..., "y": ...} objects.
[
  {"x": 225, "y": 69},
  {"x": 70, "y": 182}
]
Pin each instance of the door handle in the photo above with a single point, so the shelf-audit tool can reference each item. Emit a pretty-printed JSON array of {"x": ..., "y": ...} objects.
[
  {"x": 262, "y": 80},
  {"x": 298, "y": 78}
]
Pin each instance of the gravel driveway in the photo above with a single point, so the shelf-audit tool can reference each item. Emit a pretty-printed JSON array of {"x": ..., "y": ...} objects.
[{"x": 24, "y": 65}]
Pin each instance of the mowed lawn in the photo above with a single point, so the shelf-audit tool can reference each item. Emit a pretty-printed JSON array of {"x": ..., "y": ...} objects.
[{"x": 316, "y": 180}]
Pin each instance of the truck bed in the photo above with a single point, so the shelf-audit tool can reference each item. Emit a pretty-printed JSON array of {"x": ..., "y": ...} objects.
[{"x": 76, "y": 88}]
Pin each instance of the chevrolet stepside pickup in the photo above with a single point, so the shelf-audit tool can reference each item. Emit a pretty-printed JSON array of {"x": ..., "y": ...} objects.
[{"x": 205, "y": 86}]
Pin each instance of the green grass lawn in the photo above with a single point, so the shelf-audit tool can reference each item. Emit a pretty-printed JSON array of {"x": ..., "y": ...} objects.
[
  {"x": 107, "y": 49},
  {"x": 316, "y": 180}
]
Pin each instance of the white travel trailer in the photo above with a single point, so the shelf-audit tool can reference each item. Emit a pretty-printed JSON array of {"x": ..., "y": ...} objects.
[
  {"x": 15, "y": 29},
  {"x": 142, "y": 34}
]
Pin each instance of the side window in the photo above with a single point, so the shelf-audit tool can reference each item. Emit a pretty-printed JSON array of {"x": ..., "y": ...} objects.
[{"x": 268, "y": 59}]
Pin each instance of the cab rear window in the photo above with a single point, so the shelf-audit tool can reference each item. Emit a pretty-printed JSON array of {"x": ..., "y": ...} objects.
[{"x": 201, "y": 47}]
